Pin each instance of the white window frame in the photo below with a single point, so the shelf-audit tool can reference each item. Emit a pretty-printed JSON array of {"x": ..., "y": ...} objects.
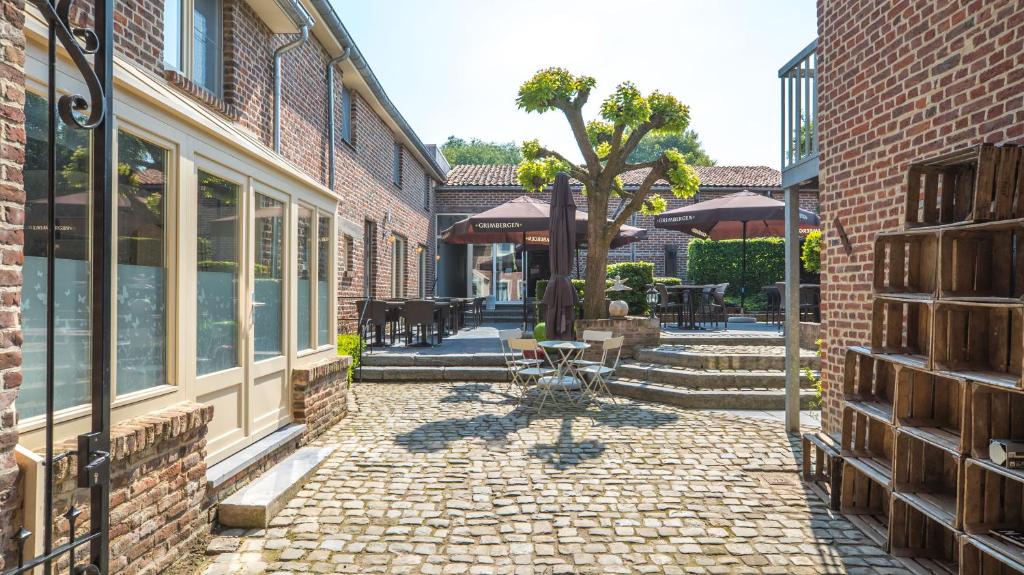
[{"x": 186, "y": 39}]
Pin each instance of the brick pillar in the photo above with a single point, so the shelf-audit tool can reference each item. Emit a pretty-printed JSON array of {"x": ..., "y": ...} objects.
[{"x": 12, "y": 211}]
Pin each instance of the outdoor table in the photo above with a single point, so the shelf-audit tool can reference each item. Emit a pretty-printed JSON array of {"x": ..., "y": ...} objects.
[
  {"x": 691, "y": 304},
  {"x": 561, "y": 355}
]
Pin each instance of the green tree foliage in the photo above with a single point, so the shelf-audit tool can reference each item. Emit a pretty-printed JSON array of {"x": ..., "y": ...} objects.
[
  {"x": 688, "y": 143},
  {"x": 627, "y": 118},
  {"x": 811, "y": 252},
  {"x": 714, "y": 262},
  {"x": 636, "y": 275},
  {"x": 475, "y": 152}
]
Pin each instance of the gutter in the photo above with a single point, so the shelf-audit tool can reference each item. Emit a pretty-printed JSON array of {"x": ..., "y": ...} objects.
[
  {"x": 330, "y": 18},
  {"x": 332, "y": 113},
  {"x": 303, "y": 37}
]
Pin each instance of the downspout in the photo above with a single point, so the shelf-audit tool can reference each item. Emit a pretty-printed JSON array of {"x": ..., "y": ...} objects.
[
  {"x": 332, "y": 113},
  {"x": 278, "y": 54}
]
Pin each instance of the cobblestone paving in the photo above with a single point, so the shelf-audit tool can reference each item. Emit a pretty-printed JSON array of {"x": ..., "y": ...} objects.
[
  {"x": 709, "y": 349},
  {"x": 447, "y": 478}
]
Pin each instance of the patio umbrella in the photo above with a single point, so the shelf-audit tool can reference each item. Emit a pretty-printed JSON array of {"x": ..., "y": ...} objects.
[
  {"x": 560, "y": 296},
  {"x": 736, "y": 216}
]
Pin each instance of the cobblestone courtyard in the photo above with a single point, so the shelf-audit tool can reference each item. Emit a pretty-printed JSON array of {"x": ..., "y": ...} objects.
[{"x": 446, "y": 478}]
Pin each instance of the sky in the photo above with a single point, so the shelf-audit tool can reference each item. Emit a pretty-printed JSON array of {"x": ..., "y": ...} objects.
[{"x": 453, "y": 67}]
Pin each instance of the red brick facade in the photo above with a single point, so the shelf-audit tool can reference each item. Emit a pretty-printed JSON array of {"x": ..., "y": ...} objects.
[{"x": 898, "y": 82}]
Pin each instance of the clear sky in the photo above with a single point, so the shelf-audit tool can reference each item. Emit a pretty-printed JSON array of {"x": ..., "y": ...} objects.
[{"x": 454, "y": 66}]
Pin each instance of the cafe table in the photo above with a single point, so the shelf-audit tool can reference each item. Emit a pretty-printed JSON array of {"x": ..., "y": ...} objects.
[
  {"x": 561, "y": 354},
  {"x": 694, "y": 291}
]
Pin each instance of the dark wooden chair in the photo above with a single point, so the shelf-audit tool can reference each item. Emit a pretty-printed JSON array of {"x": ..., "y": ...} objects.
[
  {"x": 665, "y": 303},
  {"x": 420, "y": 314}
]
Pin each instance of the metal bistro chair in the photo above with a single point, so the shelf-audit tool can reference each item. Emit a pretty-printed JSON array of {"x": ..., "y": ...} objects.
[
  {"x": 716, "y": 298},
  {"x": 527, "y": 377},
  {"x": 596, "y": 376},
  {"x": 419, "y": 314},
  {"x": 514, "y": 360},
  {"x": 591, "y": 336}
]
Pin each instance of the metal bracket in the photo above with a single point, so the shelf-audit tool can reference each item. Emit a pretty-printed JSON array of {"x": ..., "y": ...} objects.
[{"x": 93, "y": 463}]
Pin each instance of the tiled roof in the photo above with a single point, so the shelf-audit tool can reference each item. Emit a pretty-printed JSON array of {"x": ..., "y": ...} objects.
[{"x": 504, "y": 175}]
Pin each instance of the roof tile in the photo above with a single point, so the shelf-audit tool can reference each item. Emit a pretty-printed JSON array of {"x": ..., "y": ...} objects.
[{"x": 504, "y": 175}]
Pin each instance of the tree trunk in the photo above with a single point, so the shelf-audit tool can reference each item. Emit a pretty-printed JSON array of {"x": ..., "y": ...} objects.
[{"x": 597, "y": 254}]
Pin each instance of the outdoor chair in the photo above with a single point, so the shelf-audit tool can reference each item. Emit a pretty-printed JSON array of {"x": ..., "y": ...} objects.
[
  {"x": 598, "y": 374},
  {"x": 665, "y": 304},
  {"x": 806, "y": 308},
  {"x": 375, "y": 320},
  {"x": 773, "y": 307},
  {"x": 717, "y": 305},
  {"x": 419, "y": 314},
  {"x": 478, "y": 310},
  {"x": 516, "y": 361},
  {"x": 591, "y": 336},
  {"x": 530, "y": 376}
]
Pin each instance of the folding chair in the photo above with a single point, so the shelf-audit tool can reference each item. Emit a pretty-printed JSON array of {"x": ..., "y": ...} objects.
[
  {"x": 525, "y": 375},
  {"x": 590, "y": 336},
  {"x": 597, "y": 375}
]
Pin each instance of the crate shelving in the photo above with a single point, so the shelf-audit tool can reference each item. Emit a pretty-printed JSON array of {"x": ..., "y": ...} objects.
[
  {"x": 905, "y": 263},
  {"x": 901, "y": 329},
  {"x": 823, "y": 467},
  {"x": 994, "y": 499},
  {"x": 869, "y": 500},
  {"x": 979, "y": 557},
  {"x": 868, "y": 444},
  {"x": 936, "y": 405},
  {"x": 869, "y": 382},
  {"x": 996, "y": 413},
  {"x": 979, "y": 341},
  {"x": 929, "y": 476},
  {"x": 981, "y": 262},
  {"x": 913, "y": 533}
]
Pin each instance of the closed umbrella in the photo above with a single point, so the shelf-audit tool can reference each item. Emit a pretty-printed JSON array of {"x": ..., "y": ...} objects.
[
  {"x": 736, "y": 216},
  {"x": 560, "y": 296}
]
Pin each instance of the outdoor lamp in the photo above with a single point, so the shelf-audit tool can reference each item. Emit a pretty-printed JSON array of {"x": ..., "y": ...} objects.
[{"x": 652, "y": 299}]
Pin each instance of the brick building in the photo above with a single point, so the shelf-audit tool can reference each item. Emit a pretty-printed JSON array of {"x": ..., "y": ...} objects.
[
  {"x": 472, "y": 189},
  {"x": 243, "y": 235},
  {"x": 899, "y": 82}
]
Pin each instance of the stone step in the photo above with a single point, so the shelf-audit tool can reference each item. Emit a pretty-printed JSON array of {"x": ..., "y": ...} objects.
[
  {"x": 758, "y": 357},
  {"x": 722, "y": 338},
  {"x": 734, "y": 398},
  {"x": 705, "y": 379},
  {"x": 431, "y": 373},
  {"x": 387, "y": 359},
  {"x": 256, "y": 504}
]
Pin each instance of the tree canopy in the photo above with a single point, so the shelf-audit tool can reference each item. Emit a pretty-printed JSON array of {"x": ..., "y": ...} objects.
[
  {"x": 687, "y": 142},
  {"x": 476, "y": 151}
]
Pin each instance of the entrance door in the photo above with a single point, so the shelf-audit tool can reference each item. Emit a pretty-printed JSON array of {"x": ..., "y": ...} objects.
[
  {"x": 268, "y": 257},
  {"x": 508, "y": 271}
]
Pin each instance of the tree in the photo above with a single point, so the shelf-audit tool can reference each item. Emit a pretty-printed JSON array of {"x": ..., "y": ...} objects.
[
  {"x": 476, "y": 151},
  {"x": 627, "y": 118},
  {"x": 687, "y": 142}
]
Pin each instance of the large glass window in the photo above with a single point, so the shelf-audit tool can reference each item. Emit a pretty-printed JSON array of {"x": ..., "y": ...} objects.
[
  {"x": 218, "y": 259},
  {"x": 141, "y": 264},
  {"x": 304, "y": 335},
  {"x": 206, "y": 49},
  {"x": 268, "y": 303},
  {"x": 323, "y": 275},
  {"x": 482, "y": 268},
  {"x": 172, "y": 33},
  {"x": 71, "y": 336}
]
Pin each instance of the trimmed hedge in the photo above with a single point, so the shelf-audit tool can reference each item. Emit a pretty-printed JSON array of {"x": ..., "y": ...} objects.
[
  {"x": 811, "y": 252},
  {"x": 668, "y": 281},
  {"x": 713, "y": 262},
  {"x": 637, "y": 275}
]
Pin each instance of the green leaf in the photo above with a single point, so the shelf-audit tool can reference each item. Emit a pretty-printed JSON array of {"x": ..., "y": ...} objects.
[
  {"x": 626, "y": 106},
  {"x": 653, "y": 205},
  {"x": 668, "y": 114},
  {"x": 551, "y": 88},
  {"x": 534, "y": 175},
  {"x": 682, "y": 178}
]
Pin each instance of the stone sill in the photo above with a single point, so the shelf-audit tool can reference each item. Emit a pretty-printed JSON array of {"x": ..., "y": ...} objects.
[
  {"x": 206, "y": 97},
  {"x": 321, "y": 369},
  {"x": 221, "y": 473}
]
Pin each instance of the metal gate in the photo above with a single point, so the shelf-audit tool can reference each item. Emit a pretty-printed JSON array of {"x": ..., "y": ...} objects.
[{"x": 91, "y": 51}]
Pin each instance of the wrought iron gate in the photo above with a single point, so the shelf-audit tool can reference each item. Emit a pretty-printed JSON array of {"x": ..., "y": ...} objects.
[{"x": 91, "y": 51}]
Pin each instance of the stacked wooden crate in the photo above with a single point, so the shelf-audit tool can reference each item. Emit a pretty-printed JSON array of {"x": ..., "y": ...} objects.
[{"x": 942, "y": 375}]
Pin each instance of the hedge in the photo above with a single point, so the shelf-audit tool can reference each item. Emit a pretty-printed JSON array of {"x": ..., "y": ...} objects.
[
  {"x": 714, "y": 262},
  {"x": 811, "y": 252},
  {"x": 637, "y": 275},
  {"x": 668, "y": 281}
]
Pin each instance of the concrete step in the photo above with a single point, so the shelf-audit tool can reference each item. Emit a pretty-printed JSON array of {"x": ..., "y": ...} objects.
[
  {"x": 722, "y": 338},
  {"x": 758, "y": 357},
  {"x": 705, "y": 379},
  {"x": 431, "y": 373},
  {"x": 257, "y": 503},
  {"x": 389, "y": 359},
  {"x": 734, "y": 398}
]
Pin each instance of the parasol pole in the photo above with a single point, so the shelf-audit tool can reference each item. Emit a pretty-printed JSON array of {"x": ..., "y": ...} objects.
[
  {"x": 743, "y": 275},
  {"x": 526, "y": 283}
]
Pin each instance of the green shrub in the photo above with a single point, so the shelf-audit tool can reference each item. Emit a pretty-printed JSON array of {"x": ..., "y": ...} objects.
[
  {"x": 540, "y": 331},
  {"x": 542, "y": 286},
  {"x": 713, "y": 262},
  {"x": 636, "y": 275},
  {"x": 668, "y": 281},
  {"x": 350, "y": 344},
  {"x": 811, "y": 252}
]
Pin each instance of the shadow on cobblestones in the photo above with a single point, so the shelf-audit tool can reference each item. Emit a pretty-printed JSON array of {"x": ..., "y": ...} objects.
[{"x": 475, "y": 392}]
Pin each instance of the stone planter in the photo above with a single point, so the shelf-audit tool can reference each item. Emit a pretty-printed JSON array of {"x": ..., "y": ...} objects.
[{"x": 638, "y": 331}]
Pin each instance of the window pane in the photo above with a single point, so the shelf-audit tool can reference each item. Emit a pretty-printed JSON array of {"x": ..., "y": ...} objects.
[
  {"x": 268, "y": 303},
  {"x": 71, "y": 337},
  {"x": 206, "y": 44},
  {"x": 323, "y": 274},
  {"x": 398, "y": 261},
  {"x": 172, "y": 33},
  {"x": 141, "y": 271},
  {"x": 346, "y": 115},
  {"x": 304, "y": 336},
  {"x": 217, "y": 318}
]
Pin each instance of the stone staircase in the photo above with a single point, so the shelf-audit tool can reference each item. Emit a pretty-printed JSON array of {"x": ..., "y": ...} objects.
[{"x": 719, "y": 370}]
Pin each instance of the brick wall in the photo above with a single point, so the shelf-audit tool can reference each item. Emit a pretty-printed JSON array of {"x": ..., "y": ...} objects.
[
  {"x": 900, "y": 81},
  {"x": 320, "y": 395},
  {"x": 473, "y": 200},
  {"x": 12, "y": 203}
]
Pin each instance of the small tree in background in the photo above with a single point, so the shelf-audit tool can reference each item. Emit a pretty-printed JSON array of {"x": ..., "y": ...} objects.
[
  {"x": 475, "y": 151},
  {"x": 627, "y": 118}
]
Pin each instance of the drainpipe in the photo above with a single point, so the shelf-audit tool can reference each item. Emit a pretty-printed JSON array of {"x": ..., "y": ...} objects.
[
  {"x": 278, "y": 54},
  {"x": 331, "y": 114}
]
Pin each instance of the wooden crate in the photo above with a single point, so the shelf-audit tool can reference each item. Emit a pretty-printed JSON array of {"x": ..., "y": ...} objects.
[
  {"x": 868, "y": 443},
  {"x": 867, "y": 499},
  {"x": 994, "y": 499},
  {"x": 906, "y": 263},
  {"x": 870, "y": 381},
  {"x": 936, "y": 405},
  {"x": 978, "y": 557},
  {"x": 929, "y": 476},
  {"x": 979, "y": 341},
  {"x": 823, "y": 467},
  {"x": 981, "y": 262},
  {"x": 996, "y": 413},
  {"x": 902, "y": 329},
  {"x": 973, "y": 184},
  {"x": 913, "y": 533}
]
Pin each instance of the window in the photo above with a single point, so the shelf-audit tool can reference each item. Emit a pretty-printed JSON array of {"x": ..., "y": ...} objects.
[
  {"x": 323, "y": 275},
  {"x": 346, "y": 115},
  {"x": 427, "y": 184},
  {"x": 396, "y": 165},
  {"x": 141, "y": 264},
  {"x": 398, "y": 262},
  {"x": 268, "y": 292},
  {"x": 303, "y": 333},
  {"x": 71, "y": 335},
  {"x": 422, "y": 261},
  {"x": 196, "y": 48},
  {"x": 347, "y": 263},
  {"x": 671, "y": 262},
  {"x": 217, "y": 280}
]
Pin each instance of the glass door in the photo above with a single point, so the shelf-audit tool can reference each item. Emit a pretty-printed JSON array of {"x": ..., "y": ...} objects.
[
  {"x": 481, "y": 270},
  {"x": 508, "y": 270}
]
